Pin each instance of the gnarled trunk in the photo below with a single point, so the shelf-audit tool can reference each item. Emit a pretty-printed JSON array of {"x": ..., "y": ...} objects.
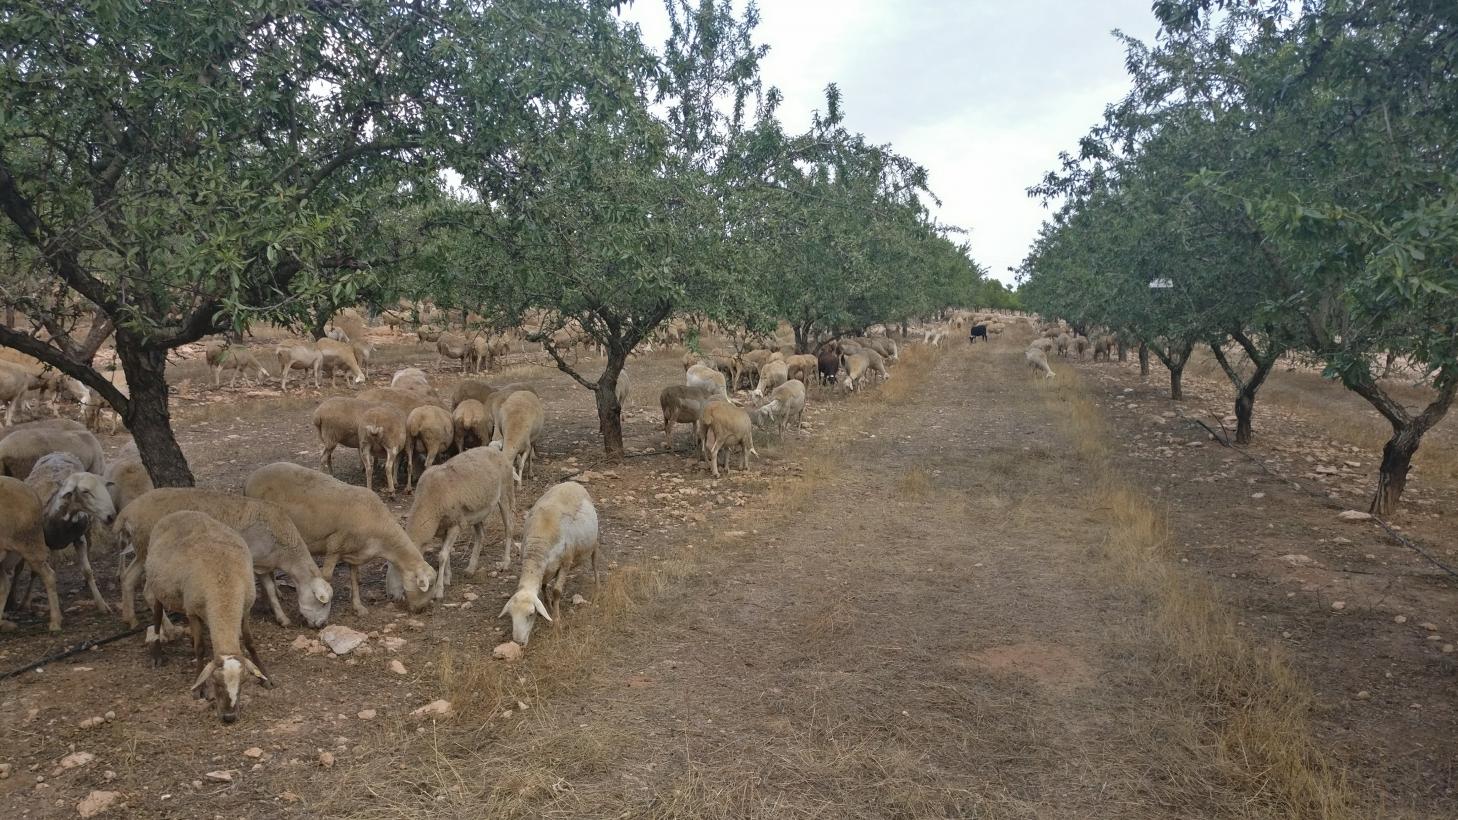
[
  {"x": 1176, "y": 379},
  {"x": 1397, "y": 456},
  {"x": 1143, "y": 360},
  {"x": 1246, "y": 389},
  {"x": 147, "y": 414},
  {"x": 609, "y": 411}
]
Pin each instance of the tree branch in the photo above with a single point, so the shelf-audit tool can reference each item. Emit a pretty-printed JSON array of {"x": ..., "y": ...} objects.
[{"x": 52, "y": 356}]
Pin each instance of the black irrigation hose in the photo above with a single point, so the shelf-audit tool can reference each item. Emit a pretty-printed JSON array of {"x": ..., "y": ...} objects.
[
  {"x": 1386, "y": 527},
  {"x": 75, "y": 650}
]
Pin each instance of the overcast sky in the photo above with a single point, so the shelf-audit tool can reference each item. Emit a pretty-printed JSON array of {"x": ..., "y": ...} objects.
[{"x": 984, "y": 93}]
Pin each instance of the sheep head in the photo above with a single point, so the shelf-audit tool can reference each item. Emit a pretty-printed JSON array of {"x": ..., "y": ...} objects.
[
  {"x": 221, "y": 681},
  {"x": 523, "y": 607},
  {"x": 315, "y": 599}
]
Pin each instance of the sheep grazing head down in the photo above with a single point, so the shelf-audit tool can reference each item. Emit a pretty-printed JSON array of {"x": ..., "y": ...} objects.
[
  {"x": 82, "y": 495},
  {"x": 314, "y": 602},
  {"x": 523, "y": 607},
  {"x": 411, "y": 585},
  {"x": 221, "y": 681}
]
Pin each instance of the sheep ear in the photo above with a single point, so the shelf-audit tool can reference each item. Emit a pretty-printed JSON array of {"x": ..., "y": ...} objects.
[
  {"x": 256, "y": 672},
  {"x": 323, "y": 593},
  {"x": 541, "y": 608},
  {"x": 203, "y": 676},
  {"x": 505, "y": 610}
]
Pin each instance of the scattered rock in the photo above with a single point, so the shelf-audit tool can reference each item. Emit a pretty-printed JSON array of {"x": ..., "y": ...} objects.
[
  {"x": 397, "y": 667},
  {"x": 71, "y": 761},
  {"x": 1338, "y": 605},
  {"x": 735, "y": 534},
  {"x": 393, "y": 644},
  {"x": 253, "y": 752},
  {"x": 97, "y": 802},
  {"x": 6, "y": 769},
  {"x": 1257, "y": 495},
  {"x": 509, "y": 651},
  {"x": 92, "y": 722},
  {"x": 578, "y": 600},
  {"x": 326, "y": 759},
  {"x": 1364, "y": 695},
  {"x": 220, "y": 776},
  {"x": 367, "y": 714},
  {"x": 436, "y": 708},
  {"x": 470, "y": 596},
  {"x": 1429, "y": 626},
  {"x": 1324, "y": 469},
  {"x": 110, "y": 716},
  {"x": 1354, "y": 515},
  {"x": 288, "y": 797},
  {"x": 341, "y": 640},
  {"x": 1297, "y": 560}
]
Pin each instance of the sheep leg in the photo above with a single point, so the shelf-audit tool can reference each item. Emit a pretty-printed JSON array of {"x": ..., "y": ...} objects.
[
  {"x": 198, "y": 654},
  {"x": 354, "y": 594},
  {"x": 443, "y": 572},
  {"x": 155, "y": 634},
  {"x": 478, "y": 541},
  {"x": 667, "y": 434},
  {"x": 504, "y": 505},
  {"x": 596, "y": 576},
  {"x": 270, "y": 591},
  {"x": 53, "y": 596},
  {"x": 130, "y": 576},
  {"x": 326, "y": 459},
  {"x": 367, "y": 460},
  {"x": 391, "y": 459},
  {"x": 217, "y": 376},
  {"x": 11, "y": 564},
  {"x": 252, "y": 650},
  {"x": 83, "y": 554}
]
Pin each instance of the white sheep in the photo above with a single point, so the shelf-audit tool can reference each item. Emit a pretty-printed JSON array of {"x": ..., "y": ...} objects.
[
  {"x": 431, "y": 430},
  {"x": 71, "y": 499},
  {"x": 561, "y": 531},
  {"x": 724, "y": 426},
  {"x": 336, "y": 421},
  {"x": 15, "y": 382},
  {"x": 127, "y": 480},
  {"x": 462, "y": 493},
  {"x": 786, "y": 403},
  {"x": 381, "y": 434},
  {"x": 772, "y": 375},
  {"x": 1038, "y": 360},
  {"x": 344, "y": 523},
  {"x": 202, "y": 569},
  {"x": 518, "y": 421},
  {"x": 707, "y": 377},
  {"x": 273, "y": 542},
  {"x": 297, "y": 356},
  {"x": 453, "y": 346},
  {"x": 222, "y": 356},
  {"x": 414, "y": 380},
  {"x": 337, "y": 356},
  {"x": 682, "y": 404},
  {"x": 21, "y": 449},
  {"x": 22, "y": 539}
]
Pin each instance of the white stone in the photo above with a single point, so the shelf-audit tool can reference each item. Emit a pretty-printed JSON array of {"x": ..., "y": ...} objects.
[
  {"x": 341, "y": 640},
  {"x": 1354, "y": 515},
  {"x": 436, "y": 708},
  {"x": 509, "y": 651},
  {"x": 97, "y": 802}
]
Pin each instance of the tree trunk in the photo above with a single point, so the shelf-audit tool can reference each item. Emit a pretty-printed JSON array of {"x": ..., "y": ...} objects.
[
  {"x": 10, "y": 315},
  {"x": 1176, "y": 376},
  {"x": 1396, "y": 461},
  {"x": 802, "y": 336},
  {"x": 1143, "y": 360},
  {"x": 903, "y": 331},
  {"x": 1123, "y": 351},
  {"x": 609, "y": 411},
  {"x": 317, "y": 328},
  {"x": 147, "y": 415},
  {"x": 1244, "y": 411}
]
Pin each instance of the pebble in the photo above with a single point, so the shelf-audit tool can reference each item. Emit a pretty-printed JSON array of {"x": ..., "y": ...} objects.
[
  {"x": 509, "y": 651},
  {"x": 326, "y": 759},
  {"x": 72, "y": 761},
  {"x": 92, "y": 722},
  {"x": 436, "y": 708},
  {"x": 340, "y": 639},
  {"x": 1431, "y": 627},
  {"x": 253, "y": 752},
  {"x": 578, "y": 600},
  {"x": 367, "y": 714},
  {"x": 1364, "y": 695},
  {"x": 97, "y": 802},
  {"x": 1401, "y": 619},
  {"x": 1354, "y": 515},
  {"x": 220, "y": 776},
  {"x": 397, "y": 667},
  {"x": 6, "y": 769},
  {"x": 1338, "y": 605}
]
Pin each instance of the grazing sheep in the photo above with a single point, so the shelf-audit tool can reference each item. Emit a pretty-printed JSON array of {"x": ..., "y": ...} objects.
[
  {"x": 414, "y": 380},
  {"x": 426, "y": 335},
  {"x": 772, "y": 375},
  {"x": 484, "y": 350},
  {"x": 297, "y": 356},
  {"x": 1062, "y": 344},
  {"x": 787, "y": 402},
  {"x": 827, "y": 363},
  {"x": 432, "y": 430},
  {"x": 337, "y": 356},
  {"x": 681, "y": 404},
  {"x": 801, "y": 367},
  {"x": 1080, "y": 346},
  {"x": 336, "y": 421},
  {"x": 21, "y": 449},
  {"x": 222, "y": 356},
  {"x": 344, "y": 523},
  {"x": 127, "y": 480},
  {"x": 472, "y": 424},
  {"x": 71, "y": 498},
  {"x": 22, "y": 538},
  {"x": 381, "y": 434},
  {"x": 724, "y": 426},
  {"x": 1102, "y": 347},
  {"x": 15, "y": 382},
  {"x": 1037, "y": 359},
  {"x": 452, "y": 346},
  {"x": 471, "y": 389},
  {"x": 43, "y": 424},
  {"x": 622, "y": 388},
  {"x": 856, "y": 366},
  {"x": 1044, "y": 344},
  {"x": 561, "y": 531},
  {"x": 707, "y": 377},
  {"x": 200, "y": 568},
  {"x": 273, "y": 542},
  {"x": 518, "y": 421},
  {"x": 402, "y": 399},
  {"x": 978, "y": 332},
  {"x": 463, "y": 492}
]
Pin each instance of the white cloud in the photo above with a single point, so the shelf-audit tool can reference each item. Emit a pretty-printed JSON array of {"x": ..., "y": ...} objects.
[{"x": 984, "y": 93}]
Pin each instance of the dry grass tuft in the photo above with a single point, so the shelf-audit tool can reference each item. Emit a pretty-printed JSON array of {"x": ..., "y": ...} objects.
[
  {"x": 914, "y": 484},
  {"x": 1251, "y": 706}
]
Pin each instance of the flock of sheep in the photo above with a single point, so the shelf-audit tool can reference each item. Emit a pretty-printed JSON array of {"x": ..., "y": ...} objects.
[
  {"x": 1060, "y": 339},
  {"x": 198, "y": 552}
]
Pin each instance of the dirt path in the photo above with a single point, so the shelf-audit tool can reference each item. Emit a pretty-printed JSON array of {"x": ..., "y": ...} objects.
[{"x": 916, "y": 631}]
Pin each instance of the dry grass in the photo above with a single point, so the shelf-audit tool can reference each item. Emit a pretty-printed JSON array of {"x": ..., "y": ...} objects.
[
  {"x": 1250, "y": 706},
  {"x": 915, "y": 483},
  {"x": 495, "y": 760}
]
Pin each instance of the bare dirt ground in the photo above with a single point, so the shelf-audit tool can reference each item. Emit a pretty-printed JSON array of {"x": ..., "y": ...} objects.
[{"x": 916, "y": 608}]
